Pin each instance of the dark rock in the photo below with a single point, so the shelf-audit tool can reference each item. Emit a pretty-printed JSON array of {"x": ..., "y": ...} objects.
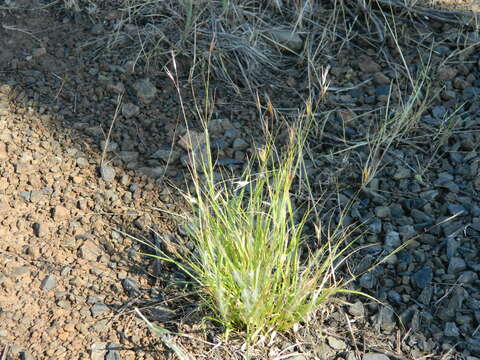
[
  {"x": 367, "y": 281},
  {"x": 423, "y": 277},
  {"x": 130, "y": 286},
  {"x": 456, "y": 265},
  {"x": 394, "y": 297},
  {"x": 451, "y": 330},
  {"x": 392, "y": 239}
]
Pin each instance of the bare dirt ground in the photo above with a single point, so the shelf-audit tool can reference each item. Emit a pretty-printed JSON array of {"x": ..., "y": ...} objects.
[{"x": 70, "y": 280}]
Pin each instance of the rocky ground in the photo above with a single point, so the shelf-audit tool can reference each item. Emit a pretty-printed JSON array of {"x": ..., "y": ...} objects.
[{"x": 69, "y": 278}]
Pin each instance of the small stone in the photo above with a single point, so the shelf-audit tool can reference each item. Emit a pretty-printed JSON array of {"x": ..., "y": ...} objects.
[
  {"x": 375, "y": 356},
  {"x": 357, "y": 309},
  {"x": 460, "y": 83},
  {"x": 381, "y": 79},
  {"x": 166, "y": 154},
  {"x": 153, "y": 172},
  {"x": 336, "y": 344},
  {"x": 451, "y": 330},
  {"x": 367, "y": 281},
  {"x": 439, "y": 112},
  {"x": 382, "y": 90},
  {"x": 454, "y": 209},
  {"x": 456, "y": 265},
  {"x": 421, "y": 217},
  {"x": 19, "y": 271},
  {"x": 25, "y": 195},
  {"x": 82, "y": 163},
  {"x": 108, "y": 146},
  {"x": 467, "y": 277},
  {"x": 107, "y": 173},
  {"x": 394, "y": 297},
  {"x": 116, "y": 87},
  {"x": 192, "y": 140},
  {"x": 382, "y": 211},
  {"x": 375, "y": 226},
  {"x": 130, "y": 286},
  {"x": 113, "y": 355},
  {"x": 49, "y": 283},
  {"x": 128, "y": 156},
  {"x": 98, "y": 351},
  {"x": 367, "y": 65},
  {"x": 386, "y": 318},
  {"x": 60, "y": 213},
  {"x": 402, "y": 173},
  {"x": 239, "y": 144},
  {"x": 423, "y": 277},
  {"x": 89, "y": 251},
  {"x": 426, "y": 295},
  {"x": 392, "y": 239},
  {"x": 130, "y": 110},
  {"x": 40, "y": 229},
  {"x": 145, "y": 90},
  {"x": 25, "y": 355},
  {"x": 99, "y": 309},
  {"x": 36, "y": 195},
  {"x": 287, "y": 39},
  {"x": 100, "y": 325},
  {"x": 446, "y": 73}
]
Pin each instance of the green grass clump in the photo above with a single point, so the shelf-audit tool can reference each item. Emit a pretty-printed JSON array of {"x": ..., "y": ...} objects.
[{"x": 248, "y": 236}]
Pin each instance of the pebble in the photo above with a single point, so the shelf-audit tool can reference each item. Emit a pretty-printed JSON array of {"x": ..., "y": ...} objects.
[
  {"x": 382, "y": 211},
  {"x": 367, "y": 281},
  {"x": 368, "y": 65},
  {"x": 439, "y": 112},
  {"x": 107, "y": 173},
  {"x": 357, "y": 309},
  {"x": 82, "y": 163},
  {"x": 456, "y": 265},
  {"x": 60, "y": 213},
  {"x": 446, "y": 73},
  {"x": 336, "y": 344},
  {"x": 423, "y": 277},
  {"x": 145, "y": 90},
  {"x": 25, "y": 355},
  {"x": 191, "y": 140},
  {"x": 48, "y": 283},
  {"x": 39, "y": 229},
  {"x": 451, "y": 330},
  {"x": 130, "y": 286},
  {"x": 239, "y": 144},
  {"x": 375, "y": 226},
  {"x": 113, "y": 355},
  {"x": 89, "y": 251},
  {"x": 375, "y": 356},
  {"x": 98, "y": 351},
  {"x": 386, "y": 318},
  {"x": 402, "y": 173},
  {"x": 130, "y": 110},
  {"x": 99, "y": 309},
  {"x": 288, "y": 39},
  {"x": 36, "y": 195}
]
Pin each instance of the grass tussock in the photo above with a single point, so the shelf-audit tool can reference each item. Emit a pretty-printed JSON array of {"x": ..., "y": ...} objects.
[{"x": 249, "y": 261}]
